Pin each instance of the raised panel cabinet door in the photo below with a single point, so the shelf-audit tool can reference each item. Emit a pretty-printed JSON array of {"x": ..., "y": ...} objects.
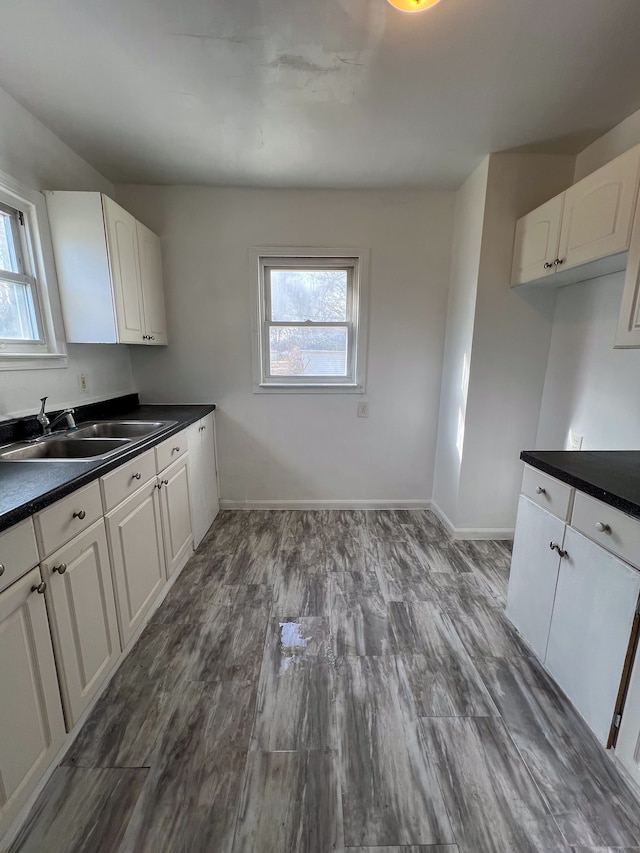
[
  {"x": 591, "y": 624},
  {"x": 155, "y": 323},
  {"x": 197, "y": 483},
  {"x": 31, "y": 721},
  {"x": 134, "y": 531},
  {"x": 82, "y": 609},
  {"x": 628, "y": 331},
  {"x": 598, "y": 212},
  {"x": 536, "y": 242},
  {"x": 210, "y": 464},
  {"x": 176, "y": 514},
  {"x": 122, "y": 244},
  {"x": 534, "y": 573}
]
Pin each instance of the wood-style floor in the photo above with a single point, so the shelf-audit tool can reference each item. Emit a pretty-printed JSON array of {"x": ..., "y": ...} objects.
[{"x": 317, "y": 681}]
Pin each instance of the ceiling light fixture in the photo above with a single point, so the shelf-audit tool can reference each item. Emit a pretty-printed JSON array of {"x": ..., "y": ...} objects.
[{"x": 413, "y": 5}]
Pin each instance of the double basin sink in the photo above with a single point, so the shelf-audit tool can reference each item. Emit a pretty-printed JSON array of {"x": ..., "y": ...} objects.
[{"x": 97, "y": 440}]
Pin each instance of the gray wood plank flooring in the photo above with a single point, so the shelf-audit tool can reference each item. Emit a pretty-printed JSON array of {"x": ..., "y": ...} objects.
[{"x": 322, "y": 682}]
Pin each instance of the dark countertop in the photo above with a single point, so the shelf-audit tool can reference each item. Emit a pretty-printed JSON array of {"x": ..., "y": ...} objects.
[
  {"x": 611, "y": 476},
  {"x": 28, "y": 487}
]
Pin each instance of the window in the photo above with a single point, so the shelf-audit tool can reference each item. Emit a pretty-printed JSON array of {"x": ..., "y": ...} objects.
[
  {"x": 311, "y": 323},
  {"x": 27, "y": 332}
]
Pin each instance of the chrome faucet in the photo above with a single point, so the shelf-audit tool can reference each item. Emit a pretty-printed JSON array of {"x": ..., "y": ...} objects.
[{"x": 47, "y": 425}]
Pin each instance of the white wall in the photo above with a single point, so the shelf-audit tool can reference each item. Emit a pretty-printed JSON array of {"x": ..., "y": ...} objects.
[
  {"x": 288, "y": 447},
  {"x": 618, "y": 140},
  {"x": 33, "y": 155},
  {"x": 463, "y": 287}
]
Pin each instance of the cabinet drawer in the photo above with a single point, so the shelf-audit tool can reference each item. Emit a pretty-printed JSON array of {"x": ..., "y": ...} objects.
[
  {"x": 68, "y": 517},
  {"x": 124, "y": 481},
  {"x": 547, "y": 492},
  {"x": 170, "y": 450},
  {"x": 615, "y": 531},
  {"x": 18, "y": 552}
]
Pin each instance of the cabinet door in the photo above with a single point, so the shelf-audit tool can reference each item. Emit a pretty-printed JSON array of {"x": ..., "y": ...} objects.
[
  {"x": 590, "y": 628},
  {"x": 122, "y": 243},
  {"x": 83, "y": 617},
  {"x": 197, "y": 483},
  {"x": 155, "y": 324},
  {"x": 598, "y": 212},
  {"x": 534, "y": 573},
  {"x": 176, "y": 514},
  {"x": 536, "y": 242},
  {"x": 628, "y": 331},
  {"x": 31, "y": 723},
  {"x": 210, "y": 467},
  {"x": 137, "y": 556}
]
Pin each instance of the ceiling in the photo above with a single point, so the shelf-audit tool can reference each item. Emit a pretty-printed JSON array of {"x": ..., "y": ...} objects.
[{"x": 318, "y": 93}]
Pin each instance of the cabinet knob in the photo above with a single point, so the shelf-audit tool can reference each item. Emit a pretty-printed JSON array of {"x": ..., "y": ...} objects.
[
  {"x": 82, "y": 514},
  {"x": 558, "y": 262},
  {"x": 159, "y": 485},
  {"x": 1, "y": 569},
  {"x": 555, "y": 547},
  {"x": 136, "y": 476},
  {"x": 601, "y": 527},
  {"x": 39, "y": 587},
  {"x": 547, "y": 265},
  {"x": 175, "y": 450},
  {"x": 61, "y": 569},
  {"x": 152, "y": 337},
  {"x": 165, "y": 482},
  {"x": 540, "y": 490}
]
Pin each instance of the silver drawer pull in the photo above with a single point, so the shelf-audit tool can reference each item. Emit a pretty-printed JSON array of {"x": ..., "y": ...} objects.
[
  {"x": 82, "y": 514},
  {"x": 601, "y": 527},
  {"x": 540, "y": 490},
  {"x": 165, "y": 482},
  {"x": 1, "y": 569},
  {"x": 39, "y": 587},
  {"x": 175, "y": 450},
  {"x": 61, "y": 569},
  {"x": 136, "y": 476},
  {"x": 555, "y": 547}
]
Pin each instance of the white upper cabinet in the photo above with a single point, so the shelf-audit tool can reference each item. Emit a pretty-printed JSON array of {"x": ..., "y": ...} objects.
[
  {"x": 628, "y": 331},
  {"x": 109, "y": 271},
  {"x": 598, "y": 212},
  {"x": 584, "y": 232},
  {"x": 536, "y": 243}
]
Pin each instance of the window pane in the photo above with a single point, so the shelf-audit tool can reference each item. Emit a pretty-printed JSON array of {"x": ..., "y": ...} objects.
[
  {"x": 17, "y": 312},
  {"x": 308, "y": 352},
  {"x": 317, "y": 295},
  {"x": 8, "y": 260}
]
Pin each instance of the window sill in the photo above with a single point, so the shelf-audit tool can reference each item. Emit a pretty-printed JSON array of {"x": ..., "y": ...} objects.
[
  {"x": 41, "y": 361},
  {"x": 289, "y": 388}
]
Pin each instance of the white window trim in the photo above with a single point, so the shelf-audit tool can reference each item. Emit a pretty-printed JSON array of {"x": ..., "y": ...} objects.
[
  {"x": 260, "y": 257},
  {"x": 33, "y": 206}
]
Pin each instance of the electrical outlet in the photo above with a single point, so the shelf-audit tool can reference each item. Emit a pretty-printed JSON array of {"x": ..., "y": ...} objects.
[
  {"x": 575, "y": 440},
  {"x": 363, "y": 410},
  {"x": 83, "y": 385}
]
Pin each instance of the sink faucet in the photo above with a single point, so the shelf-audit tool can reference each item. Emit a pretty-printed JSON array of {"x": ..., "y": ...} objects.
[{"x": 47, "y": 425}]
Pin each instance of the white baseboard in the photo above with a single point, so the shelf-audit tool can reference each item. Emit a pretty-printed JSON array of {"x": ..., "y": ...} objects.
[
  {"x": 471, "y": 532},
  {"x": 313, "y": 504}
]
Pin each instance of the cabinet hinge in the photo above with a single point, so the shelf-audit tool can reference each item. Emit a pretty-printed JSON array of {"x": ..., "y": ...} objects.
[{"x": 617, "y": 720}]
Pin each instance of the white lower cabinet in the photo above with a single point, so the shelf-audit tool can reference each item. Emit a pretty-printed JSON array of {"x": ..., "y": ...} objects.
[
  {"x": 176, "y": 514},
  {"x": 628, "y": 743},
  {"x": 534, "y": 574},
  {"x": 134, "y": 531},
  {"x": 203, "y": 481},
  {"x": 31, "y": 721},
  {"x": 593, "y": 613},
  {"x": 82, "y": 611}
]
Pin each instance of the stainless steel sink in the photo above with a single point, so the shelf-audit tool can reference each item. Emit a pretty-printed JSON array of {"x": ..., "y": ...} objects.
[
  {"x": 119, "y": 429},
  {"x": 62, "y": 447}
]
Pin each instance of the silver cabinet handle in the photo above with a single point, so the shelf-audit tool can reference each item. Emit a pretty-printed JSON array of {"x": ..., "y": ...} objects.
[
  {"x": 1, "y": 569},
  {"x": 61, "y": 569},
  {"x": 82, "y": 514},
  {"x": 39, "y": 587},
  {"x": 540, "y": 490},
  {"x": 136, "y": 476},
  {"x": 165, "y": 482},
  {"x": 601, "y": 527},
  {"x": 555, "y": 547},
  {"x": 175, "y": 450},
  {"x": 557, "y": 262},
  {"x": 159, "y": 485},
  {"x": 547, "y": 265}
]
